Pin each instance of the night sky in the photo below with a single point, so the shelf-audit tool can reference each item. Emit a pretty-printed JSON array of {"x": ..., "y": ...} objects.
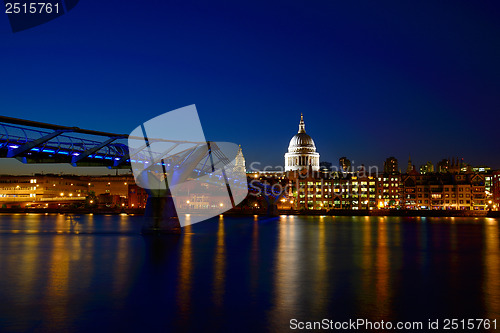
[{"x": 372, "y": 80}]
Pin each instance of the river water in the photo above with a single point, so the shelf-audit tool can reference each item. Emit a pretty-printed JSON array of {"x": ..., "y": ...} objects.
[{"x": 250, "y": 274}]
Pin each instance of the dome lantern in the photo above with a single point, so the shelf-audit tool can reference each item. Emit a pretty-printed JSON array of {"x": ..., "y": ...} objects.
[{"x": 302, "y": 126}]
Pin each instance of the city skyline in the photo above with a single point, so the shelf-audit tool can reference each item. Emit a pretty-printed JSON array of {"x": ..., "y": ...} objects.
[
  {"x": 373, "y": 81},
  {"x": 15, "y": 167}
]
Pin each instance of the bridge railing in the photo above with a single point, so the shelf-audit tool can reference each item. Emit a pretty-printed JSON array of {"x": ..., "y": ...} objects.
[{"x": 46, "y": 144}]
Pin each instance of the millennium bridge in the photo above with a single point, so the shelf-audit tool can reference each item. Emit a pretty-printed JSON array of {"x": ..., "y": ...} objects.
[{"x": 33, "y": 142}]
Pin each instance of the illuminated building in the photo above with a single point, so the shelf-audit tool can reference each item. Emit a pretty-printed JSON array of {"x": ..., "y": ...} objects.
[
  {"x": 53, "y": 191},
  {"x": 137, "y": 196},
  {"x": 495, "y": 188},
  {"x": 391, "y": 165},
  {"x": 301, "y": 151},
  {"x": 410, "y": 166},
  {"x": 110, "y": 185},
  {"x": 332, "y": 190},
  {"x": 427, "y": 168},
  {"x": 443, "y": 165},
  {"x": 345, "y": 164},
  {"x": 239, "y": 161},
  {"x": 440, "y": 191},
  {"x": 455, "y": 187},
  {"x": 41, "y": 190},
  {"x": 388, "y": 190}
]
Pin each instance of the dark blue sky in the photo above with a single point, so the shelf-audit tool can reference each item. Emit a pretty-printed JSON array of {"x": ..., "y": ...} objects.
[{"x": 372, "y": 80}]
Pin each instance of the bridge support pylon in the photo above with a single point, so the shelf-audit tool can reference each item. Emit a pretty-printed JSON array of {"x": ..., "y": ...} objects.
[
  {"x": 160, "y": 216},
  {"x": 272, "y": 209}
]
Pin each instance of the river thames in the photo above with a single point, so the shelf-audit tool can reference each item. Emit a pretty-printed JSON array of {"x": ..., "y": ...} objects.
[{"x": 84, "y": 273}]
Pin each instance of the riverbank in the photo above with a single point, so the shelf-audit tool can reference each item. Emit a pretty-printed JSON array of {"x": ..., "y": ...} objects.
[
  {"x": 375, "y": 212},
  {"x": 249, "y": 212},
  {"x": 107, "y": 211}
]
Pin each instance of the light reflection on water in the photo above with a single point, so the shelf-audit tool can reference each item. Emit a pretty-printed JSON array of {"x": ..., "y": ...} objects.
[
  {"x": 94, "y": 272},
  {"x": 491, "y": 258}
]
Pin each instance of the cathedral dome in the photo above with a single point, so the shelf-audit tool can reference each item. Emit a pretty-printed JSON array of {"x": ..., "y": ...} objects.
[
  {"x": 301, "y": 151},
  {"x": 301, "y": 142}
]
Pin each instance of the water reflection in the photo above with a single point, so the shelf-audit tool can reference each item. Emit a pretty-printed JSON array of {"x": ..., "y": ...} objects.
[
  {"x": 58, "y": 278},
  {"x": 254, "y": 259},
  {"x": 491, "y": 259},
  {"x": 321, "y": 286},
  {"x": 366, "y": 277},
  {"x": 59, "y": 272},
  {"x": 287, "y": 270},
  {"x": 185, "y": 273},
  {"x": 220, "y": 264},
  {"x": 382, "y": 273}
]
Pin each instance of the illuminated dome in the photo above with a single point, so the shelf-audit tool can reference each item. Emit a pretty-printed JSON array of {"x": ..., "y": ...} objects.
[
  {"x": 301, "y": 151},
  {"x": 301, "y": 142}
]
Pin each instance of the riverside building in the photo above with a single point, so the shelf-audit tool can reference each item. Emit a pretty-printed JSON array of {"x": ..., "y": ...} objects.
[{"x": 456, "y": 186}]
